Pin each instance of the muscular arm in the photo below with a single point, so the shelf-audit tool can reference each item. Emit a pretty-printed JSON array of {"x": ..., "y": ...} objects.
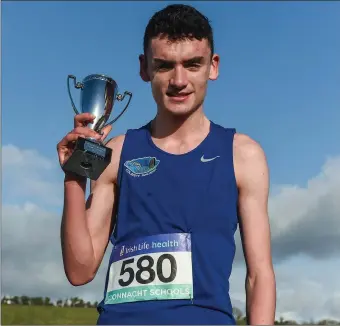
[
  {"x": 253, "y": 182},
  {"x": 86, "y": 225}
]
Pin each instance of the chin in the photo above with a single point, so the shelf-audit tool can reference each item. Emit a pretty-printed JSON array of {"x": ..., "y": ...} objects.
[{"x": 179, "y": 110}]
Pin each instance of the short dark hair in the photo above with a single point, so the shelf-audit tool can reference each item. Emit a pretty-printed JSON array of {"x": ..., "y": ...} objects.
[{"x": 179, "y": 22}]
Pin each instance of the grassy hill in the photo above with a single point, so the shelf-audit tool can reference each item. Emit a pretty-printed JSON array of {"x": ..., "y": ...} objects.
[{"x": 47, "y": 315}]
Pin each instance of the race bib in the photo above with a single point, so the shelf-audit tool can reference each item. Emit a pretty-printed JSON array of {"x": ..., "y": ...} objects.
[{"x": 152, "y": 268}]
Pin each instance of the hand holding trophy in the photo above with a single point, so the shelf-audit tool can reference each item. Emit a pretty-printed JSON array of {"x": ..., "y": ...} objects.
[{"x": 89, "y": 157}]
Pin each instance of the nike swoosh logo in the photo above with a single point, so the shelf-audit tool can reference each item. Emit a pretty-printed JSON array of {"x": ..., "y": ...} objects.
[{"x": 208, "y": 159}]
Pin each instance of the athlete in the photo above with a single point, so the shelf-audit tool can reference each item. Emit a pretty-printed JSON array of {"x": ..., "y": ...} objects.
[{"x": 172, "y": 197}]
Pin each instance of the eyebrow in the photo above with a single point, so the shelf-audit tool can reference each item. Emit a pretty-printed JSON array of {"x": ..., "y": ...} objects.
[{"x": 196, "y": 59}]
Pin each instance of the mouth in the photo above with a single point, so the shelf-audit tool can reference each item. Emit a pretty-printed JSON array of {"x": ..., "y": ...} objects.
[{"x": 178, "y": 97}]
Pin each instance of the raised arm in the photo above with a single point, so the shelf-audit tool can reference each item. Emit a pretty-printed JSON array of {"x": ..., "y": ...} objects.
[
  {"x": 87, "y": 224},
  {"x": 253, "y": 182}
]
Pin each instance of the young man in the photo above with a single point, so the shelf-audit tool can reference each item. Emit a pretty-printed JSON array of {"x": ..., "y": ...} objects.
[{"x": 172, "y": 197}]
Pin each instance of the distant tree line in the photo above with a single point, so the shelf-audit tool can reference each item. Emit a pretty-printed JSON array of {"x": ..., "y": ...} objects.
[{"x": 46, "y": 301}]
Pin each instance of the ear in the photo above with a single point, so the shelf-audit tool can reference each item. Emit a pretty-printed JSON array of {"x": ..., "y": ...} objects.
[
  {"x": 214, "y": 67},
  {"x": 143, "y": 68}
]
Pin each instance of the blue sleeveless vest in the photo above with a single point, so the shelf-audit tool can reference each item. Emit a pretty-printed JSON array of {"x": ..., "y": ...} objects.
[{"x": 173, "y": 244}]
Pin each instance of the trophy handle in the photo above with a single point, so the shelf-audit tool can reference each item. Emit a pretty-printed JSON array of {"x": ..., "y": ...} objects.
[
  {"x": 76, "y": 85},
  {"x": 120, "y": 97}
]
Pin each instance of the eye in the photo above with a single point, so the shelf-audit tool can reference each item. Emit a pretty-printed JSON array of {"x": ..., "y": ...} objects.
[
  {"x": 193, "y": 66},
  {"x": 164, "y": 67}
]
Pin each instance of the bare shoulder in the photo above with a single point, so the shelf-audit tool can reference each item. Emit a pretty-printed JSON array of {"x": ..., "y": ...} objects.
[
  {"x": 249, "y": 160},
  {"x": 116, "y": 144},
  {"x": 246, "y": 148}
]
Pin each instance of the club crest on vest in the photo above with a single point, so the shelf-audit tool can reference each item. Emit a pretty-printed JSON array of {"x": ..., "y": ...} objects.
[{"x": 141, "y": 166}]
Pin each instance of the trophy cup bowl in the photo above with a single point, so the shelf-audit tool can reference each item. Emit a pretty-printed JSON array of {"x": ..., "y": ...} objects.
[{"x": 98, "y": 92}]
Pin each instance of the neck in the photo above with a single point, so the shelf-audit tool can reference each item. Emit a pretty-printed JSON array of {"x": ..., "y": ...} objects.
[{"x": 167, "y": 125}]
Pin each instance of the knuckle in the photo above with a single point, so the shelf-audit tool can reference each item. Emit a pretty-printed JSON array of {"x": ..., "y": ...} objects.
[{"x": 69, "y": 136}]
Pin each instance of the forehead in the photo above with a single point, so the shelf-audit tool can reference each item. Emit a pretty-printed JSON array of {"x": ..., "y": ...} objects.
[{"x": 178, "y": 50}]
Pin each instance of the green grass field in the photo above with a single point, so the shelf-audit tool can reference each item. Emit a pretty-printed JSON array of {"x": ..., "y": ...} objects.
[
  {"x": 48, "y": 315},
  {"x": 43, "y": 315}
]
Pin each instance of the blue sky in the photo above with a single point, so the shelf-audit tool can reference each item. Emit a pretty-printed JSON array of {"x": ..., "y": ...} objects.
[
  {"x": 279, "y": 78},
  {"x": 278, "y": 82}
]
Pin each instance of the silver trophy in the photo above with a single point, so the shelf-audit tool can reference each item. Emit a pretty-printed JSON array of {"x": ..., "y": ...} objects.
[{"x": 98, "y": 93}]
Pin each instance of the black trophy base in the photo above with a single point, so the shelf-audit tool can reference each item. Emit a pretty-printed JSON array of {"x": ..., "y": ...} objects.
[{"x": 89, "y": 159}]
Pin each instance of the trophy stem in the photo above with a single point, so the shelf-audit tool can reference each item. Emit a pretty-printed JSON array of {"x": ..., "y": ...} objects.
[{"x": 93, "y": 140}]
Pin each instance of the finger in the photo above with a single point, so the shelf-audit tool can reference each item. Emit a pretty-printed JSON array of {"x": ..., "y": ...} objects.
[
  {"x": 62, "y": 157},
  {"x": 71, "y": 137},
  {"x": 68, "y": 139},
  {"x": 83, "y": 119},
  {"x": 105, "y": 131},
  {"x": 64, "y": 146},
  {"x": 87, "y": 132}
]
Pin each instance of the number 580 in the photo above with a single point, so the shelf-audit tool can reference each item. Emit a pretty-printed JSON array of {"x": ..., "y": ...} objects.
[{"x": 149, "y": 269}]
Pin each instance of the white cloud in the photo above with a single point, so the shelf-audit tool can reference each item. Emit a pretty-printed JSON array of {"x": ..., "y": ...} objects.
[
  {"x": 31, "y": 252},
  {"x": 306, "y": 289},
  {"x": 16, "y": 158},
  {"x": 31, "y": 255},
  {"x": 28, "y": 175},
  {"x": 305, "y": 220}
]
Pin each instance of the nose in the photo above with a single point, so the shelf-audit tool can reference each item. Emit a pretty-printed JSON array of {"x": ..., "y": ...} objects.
[{"x": 179, "y": 78}]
